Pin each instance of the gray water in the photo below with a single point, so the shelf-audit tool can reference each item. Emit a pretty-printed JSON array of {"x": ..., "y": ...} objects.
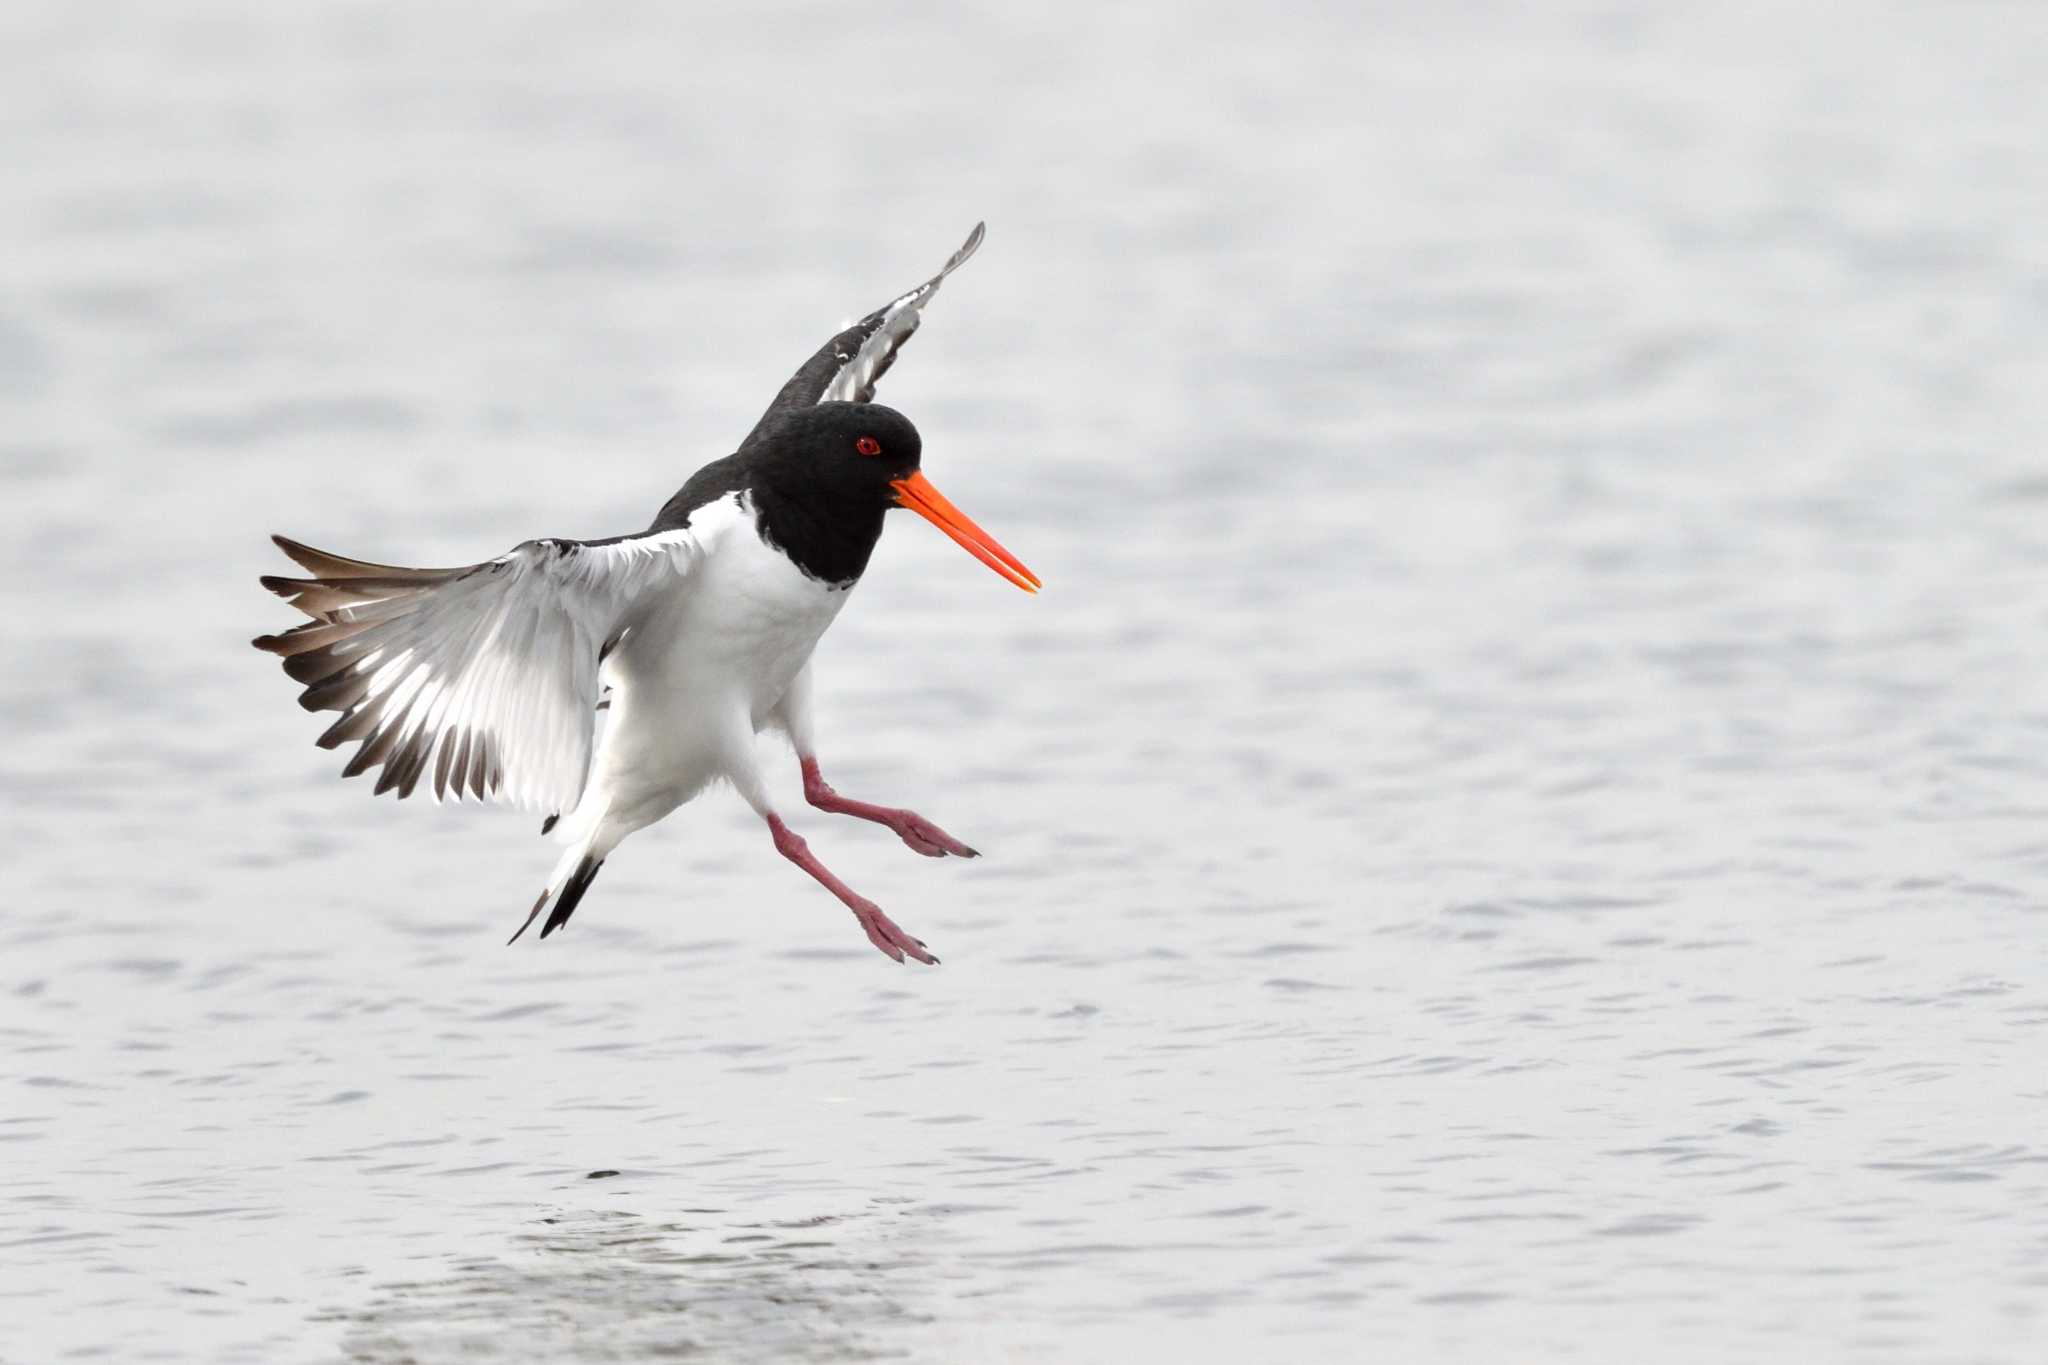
[{"x": 1516, "y": 830}]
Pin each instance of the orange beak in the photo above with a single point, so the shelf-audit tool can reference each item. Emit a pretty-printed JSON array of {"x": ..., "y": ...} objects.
[{"x": 917, "y": 493}]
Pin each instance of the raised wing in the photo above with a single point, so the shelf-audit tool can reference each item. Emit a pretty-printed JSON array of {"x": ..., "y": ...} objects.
[
  {"x": 487, "y": 675},
  {"x": 847, "y": 367}
]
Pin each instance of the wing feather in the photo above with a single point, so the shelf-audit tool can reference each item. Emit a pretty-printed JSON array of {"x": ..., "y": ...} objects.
[
  {"x": 480, "y": 679},
  {"x": 847, "y": 367}
]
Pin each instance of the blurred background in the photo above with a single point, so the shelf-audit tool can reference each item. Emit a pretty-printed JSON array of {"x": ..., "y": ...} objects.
[{"x": 1515, "y": 831}]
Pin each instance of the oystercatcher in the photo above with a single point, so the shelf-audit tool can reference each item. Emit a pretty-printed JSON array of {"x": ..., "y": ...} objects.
[{"x": 607, "y": 682}]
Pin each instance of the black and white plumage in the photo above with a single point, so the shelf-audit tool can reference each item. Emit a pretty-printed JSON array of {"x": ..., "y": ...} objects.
[
  {"x": 478, "y": 680},
  {"x": 488, "y": 680},
  {"x": 846, "y": 368}
]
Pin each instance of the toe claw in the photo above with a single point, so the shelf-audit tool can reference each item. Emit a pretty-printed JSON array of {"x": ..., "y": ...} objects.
[{"x": 927, "y": 838}]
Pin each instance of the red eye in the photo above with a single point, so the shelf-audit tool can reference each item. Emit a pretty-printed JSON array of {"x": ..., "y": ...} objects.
[{"x": 868, "y": 445}]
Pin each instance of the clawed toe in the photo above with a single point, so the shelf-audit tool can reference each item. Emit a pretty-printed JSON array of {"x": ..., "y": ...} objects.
[
  {"x": 882, "y": 931},
  {"x": 881, "y": 941},
  {"x": 927, "y": 838},
  {"x": 921, "y": 845},
  {"x": 888, "y": 936}
]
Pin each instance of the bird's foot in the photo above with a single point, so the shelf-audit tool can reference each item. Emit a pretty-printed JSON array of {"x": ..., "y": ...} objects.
[
  {"x": 913, "y": 829},
  {"x": 924, "y": 836},
  {"x": 882, "y": 931},
  {"x": 889, "y": 936}
]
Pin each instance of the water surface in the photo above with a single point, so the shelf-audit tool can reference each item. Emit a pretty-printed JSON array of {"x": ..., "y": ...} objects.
[{"x": 1516, "y": 830}]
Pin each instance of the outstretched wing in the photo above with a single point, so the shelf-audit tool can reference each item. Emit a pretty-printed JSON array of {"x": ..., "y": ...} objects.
[
  {"x": 487, "y": 675},
  {"x": 847, "y": 367}
]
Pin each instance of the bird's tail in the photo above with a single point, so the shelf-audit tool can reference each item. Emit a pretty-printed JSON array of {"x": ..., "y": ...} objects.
[{"x": 573, "y": 874}]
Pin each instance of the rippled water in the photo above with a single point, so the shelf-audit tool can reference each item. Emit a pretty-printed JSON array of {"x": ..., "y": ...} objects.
[{"x": 1516, "y": 832}]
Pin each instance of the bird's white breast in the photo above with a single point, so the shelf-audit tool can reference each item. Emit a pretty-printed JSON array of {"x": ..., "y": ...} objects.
[{"x": 736, "y": 640}]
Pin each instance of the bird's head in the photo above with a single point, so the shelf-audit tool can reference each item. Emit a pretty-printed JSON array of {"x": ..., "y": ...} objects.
[{"x": 867, "y": 457}]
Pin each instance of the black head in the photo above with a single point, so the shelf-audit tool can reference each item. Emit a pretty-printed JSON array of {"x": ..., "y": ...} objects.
[
  {"x": 842, "y": 456},
  {"x": 821, "y": 478}
]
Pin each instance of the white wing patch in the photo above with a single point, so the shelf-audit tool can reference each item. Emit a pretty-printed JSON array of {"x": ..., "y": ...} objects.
[
  {"x": 882, "y": 333},
  {"x": 485, "y": 676}
]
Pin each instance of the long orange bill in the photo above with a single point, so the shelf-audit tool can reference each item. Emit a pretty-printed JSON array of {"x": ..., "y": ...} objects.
[{"x": 917, "y": 493}]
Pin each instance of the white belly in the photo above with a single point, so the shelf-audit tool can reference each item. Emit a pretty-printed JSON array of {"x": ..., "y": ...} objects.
[
  {"x": 746, "y": 629},
  {"x": 705, "y": 670}
]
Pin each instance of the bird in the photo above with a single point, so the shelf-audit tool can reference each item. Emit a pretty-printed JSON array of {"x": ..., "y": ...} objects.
[{"x": 608, "y": 682}]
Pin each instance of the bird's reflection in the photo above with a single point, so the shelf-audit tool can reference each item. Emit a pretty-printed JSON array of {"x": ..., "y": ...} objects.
[{"x": 604, "y": 1284}]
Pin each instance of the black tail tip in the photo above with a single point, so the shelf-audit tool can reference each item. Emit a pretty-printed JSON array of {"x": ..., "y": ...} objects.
[
  {"x": 572, "y": 894},
  {"x": 523, "y": 924}
]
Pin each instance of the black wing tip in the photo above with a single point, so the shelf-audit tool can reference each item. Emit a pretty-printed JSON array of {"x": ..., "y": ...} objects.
[
  {"x": 960, "y": 257},
  {"x": 302, "y": 554}
]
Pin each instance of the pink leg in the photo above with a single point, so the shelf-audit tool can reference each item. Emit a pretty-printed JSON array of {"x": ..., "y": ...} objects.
[
  {"x": 920, "y": 833},
  {"x": 882, "y": 931}
]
